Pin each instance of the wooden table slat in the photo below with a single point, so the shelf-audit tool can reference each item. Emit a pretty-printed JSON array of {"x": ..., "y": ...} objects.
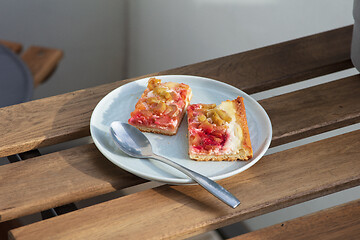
[
  {"x": 49, "y": 121},
  {"x": 277, "y": 181},
  {"x": 314, "y": 110},
  {"x": 14, "y": 46},
  {"x": 59, "y": 178},
  {"x": 65, "y": 117},
  {"x": 41, "y": 62},
  {"x": 317, "y": 113},
  {"x": 339, "y": 222}
]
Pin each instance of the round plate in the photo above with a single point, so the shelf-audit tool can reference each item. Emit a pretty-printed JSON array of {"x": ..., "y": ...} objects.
[
  {"x": 118, "y": 104},
  {"x": 16, "y": 82}
]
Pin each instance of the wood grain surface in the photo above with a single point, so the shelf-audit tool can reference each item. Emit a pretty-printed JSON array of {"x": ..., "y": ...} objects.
[
  {"x": 315, "y": 109},
  {"x": 65, "y": 117},
  {"x": 340, "y": 222},
  {"x": 14, "y": 46},
  {"x": 56, "y": 179},
  {"x": 277, "y": 181},
  {"x": 41, "y": 62}
]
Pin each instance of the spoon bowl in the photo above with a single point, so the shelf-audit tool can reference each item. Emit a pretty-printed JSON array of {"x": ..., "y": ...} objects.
[
  {"x": 134, "y": 143},
  {"x": 131, "y": 140}
]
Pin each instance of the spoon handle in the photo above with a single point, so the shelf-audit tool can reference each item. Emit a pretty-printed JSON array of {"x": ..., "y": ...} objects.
[{"x": 214, "y": 188}]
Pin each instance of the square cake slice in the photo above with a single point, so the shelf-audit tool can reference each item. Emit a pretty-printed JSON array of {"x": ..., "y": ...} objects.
[
  {"x": 161, "y": 107},
  {"x": 219, "y": 133}
]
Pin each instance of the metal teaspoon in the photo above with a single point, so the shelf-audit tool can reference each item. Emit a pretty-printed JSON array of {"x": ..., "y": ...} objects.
[{"x": 134, "y": 143}]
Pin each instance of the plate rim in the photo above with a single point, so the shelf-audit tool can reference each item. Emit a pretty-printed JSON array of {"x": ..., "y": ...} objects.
[{"x": 184, "y": 181}]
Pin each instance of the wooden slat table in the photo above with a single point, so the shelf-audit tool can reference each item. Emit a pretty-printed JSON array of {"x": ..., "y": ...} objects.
[
  {"x": 278, "y": 180},
  {"x": 41, "y": 61}
]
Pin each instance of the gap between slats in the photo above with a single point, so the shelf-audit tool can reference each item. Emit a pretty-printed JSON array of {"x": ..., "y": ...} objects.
[
  {"x": 304, "y": 84},
  {"x": 314, "y": 110}
]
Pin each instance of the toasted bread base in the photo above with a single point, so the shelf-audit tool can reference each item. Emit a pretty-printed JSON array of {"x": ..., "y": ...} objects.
[{"x": 226, "y": 157}]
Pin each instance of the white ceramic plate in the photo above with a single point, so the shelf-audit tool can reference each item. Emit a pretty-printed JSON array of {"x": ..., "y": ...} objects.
[{"x": 118, "y": 104}]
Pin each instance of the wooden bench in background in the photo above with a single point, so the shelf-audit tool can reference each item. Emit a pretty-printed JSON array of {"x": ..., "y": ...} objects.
[{"x": 41, "y": 61}]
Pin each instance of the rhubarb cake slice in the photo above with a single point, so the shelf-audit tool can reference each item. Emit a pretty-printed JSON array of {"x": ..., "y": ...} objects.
[
  {"x": 161, "y": 107},
  {"x": 219, "y": 133}
]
